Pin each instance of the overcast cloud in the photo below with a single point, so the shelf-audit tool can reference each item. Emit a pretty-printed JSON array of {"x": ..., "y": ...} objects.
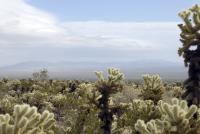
[{"x": 28, "y": 33}]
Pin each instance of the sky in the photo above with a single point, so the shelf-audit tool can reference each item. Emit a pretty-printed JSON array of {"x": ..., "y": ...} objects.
[{"x": 89, "y": 30}]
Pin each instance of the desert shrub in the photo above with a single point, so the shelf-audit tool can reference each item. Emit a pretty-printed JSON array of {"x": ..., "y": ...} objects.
[
  {"x": 81, "y": 116},
  {"x": 7, "y": 103},
  {"x": 42, "y": 75},
  {"x": 138, "y": 109},
  {"x": 38, "y": 99}
]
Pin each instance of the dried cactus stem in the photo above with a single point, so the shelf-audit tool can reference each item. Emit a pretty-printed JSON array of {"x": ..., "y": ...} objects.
[
  {"x": 192, "y": 85},
  {"x": 105, "y": 115}
]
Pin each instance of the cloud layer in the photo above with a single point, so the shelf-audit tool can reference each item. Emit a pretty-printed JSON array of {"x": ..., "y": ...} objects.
[{"x": 28, "y": 33}]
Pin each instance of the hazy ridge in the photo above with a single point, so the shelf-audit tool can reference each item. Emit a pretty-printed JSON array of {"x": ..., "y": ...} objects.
[{"x": 85, "y": 69}]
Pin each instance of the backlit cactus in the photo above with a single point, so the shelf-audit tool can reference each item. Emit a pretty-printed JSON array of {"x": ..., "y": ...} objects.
[
  {"x": 189, "y": 30},
  {"x": 190, "y": 37}
]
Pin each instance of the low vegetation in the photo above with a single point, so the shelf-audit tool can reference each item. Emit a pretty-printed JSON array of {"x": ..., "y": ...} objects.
[{"x": 108, "y": 105}]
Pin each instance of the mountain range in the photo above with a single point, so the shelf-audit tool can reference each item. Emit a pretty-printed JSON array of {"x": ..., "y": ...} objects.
[{"x": 85, "y": 69}]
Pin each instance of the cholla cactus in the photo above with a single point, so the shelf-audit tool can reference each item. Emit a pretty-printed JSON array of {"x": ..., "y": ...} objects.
[
  {"x": 7, "y": 103},
  {"x": 190, "y": 37},
  {"x": 85, "y": 89},
  {"x": 138, "y": 109},
  {"x": 27, "y": 121},
  {"x": 106, "y": 87},
  {"x": 189, "y": 30},
  {"x": 176, "y": 118},
  {"x": 113, "y": 84},
  {"x": 38, "y": 99},
  {"x": 177, "y": 91},
  {"x": 152, "y": 127},
  {"x": 152, "y": 88},
  {"x": 178, "y": 114}
]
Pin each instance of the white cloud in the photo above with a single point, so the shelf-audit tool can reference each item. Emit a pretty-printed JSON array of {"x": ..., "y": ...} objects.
[
  {"x": 133, "y": 35},
  {"x": 24, "y": 26}
]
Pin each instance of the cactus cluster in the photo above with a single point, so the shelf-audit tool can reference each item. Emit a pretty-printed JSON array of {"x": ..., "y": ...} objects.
[
  {"x": 138, "y": 109},
  {"x": 93, "y": 107},
  {"x": 176, "y": 117},
  {"x": 26, "y": 120}
]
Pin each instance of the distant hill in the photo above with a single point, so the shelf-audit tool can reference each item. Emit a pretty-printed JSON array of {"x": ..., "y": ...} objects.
[{"x": 85, "y": 70}]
